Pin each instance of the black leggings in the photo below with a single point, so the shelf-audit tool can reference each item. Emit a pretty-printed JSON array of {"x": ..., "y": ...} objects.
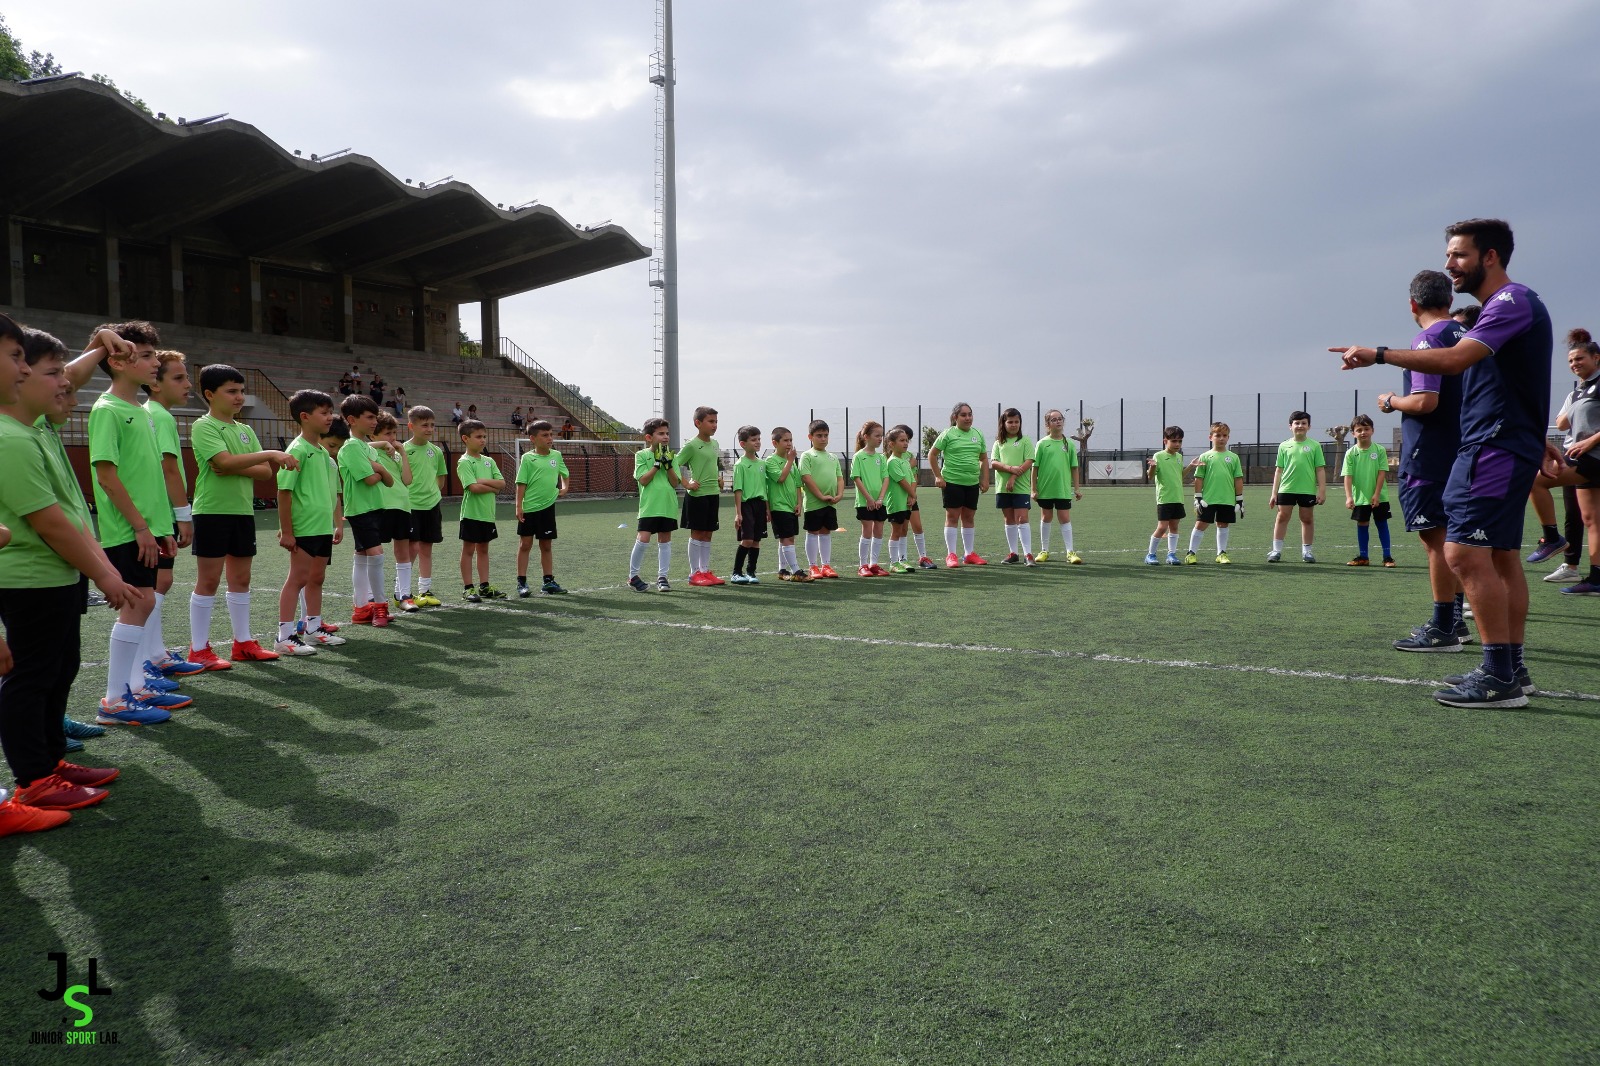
[
  {"x": 1573, "y": 525},
  {"x": 42, "y": 629}
]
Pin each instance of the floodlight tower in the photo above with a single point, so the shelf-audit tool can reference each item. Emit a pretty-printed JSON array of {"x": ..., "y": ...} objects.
[{"x": 664, "y": 266}]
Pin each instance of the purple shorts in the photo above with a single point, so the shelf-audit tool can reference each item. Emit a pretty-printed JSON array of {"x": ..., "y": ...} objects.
[{"x": 1487, "y": 496}]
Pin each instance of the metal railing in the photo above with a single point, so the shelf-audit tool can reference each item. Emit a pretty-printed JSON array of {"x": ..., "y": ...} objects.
[
  {"x": 595, "y": 420},
  {"x": 266, "y": 390}
]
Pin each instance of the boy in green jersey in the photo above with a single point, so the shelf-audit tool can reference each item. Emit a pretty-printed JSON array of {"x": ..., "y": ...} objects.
[
  {"x": 658, "y": 504},
  {"x": 697, "y": 466},
  {"x": 823, "y": 480},
  {"x": 362, "y": 478},
  {"x": 228, "y": 459},
  {"x": 902, "y": 500},
  {"x": 309, "y": 525},
  {"x": 1299, "y": 479},
  {"x": 1166, "y": 470},
  {"x": 1056, "y": 484},
  {"x": 1366, "y": 472},
  {"x": 480, "y": 479},
  {"x": 428, "y": 473},
  {"x": 1218, "y": 494},
  {"x": 171, "y": 390},
  {"x": 749, "y": 506},
  {"x": 396, "y": 506},
  {"x": 542, "y": 479},
  {"x": 783, "y": 503}
]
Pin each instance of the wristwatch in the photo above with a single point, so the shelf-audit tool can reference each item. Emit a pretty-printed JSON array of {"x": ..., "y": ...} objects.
[
  {"x": 1386, "y": 405},
  {"x": 1382, "y": 355}
]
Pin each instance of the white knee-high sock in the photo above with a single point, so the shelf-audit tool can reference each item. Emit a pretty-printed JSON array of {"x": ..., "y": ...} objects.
[
  {"x": 813, "y": 550},
  {"x": 664, "y": 558},
  {"x": 1196, "y": 535},
  {"x": 969, "y": 537},
  {"x": 1011, "y": 538},
  {"x": 636, "y": 557},
  {"x": 1222, "y": 539},
  {"x": 402, "y": 580},
  {"x": 1155, "y": 543},
  {"x": 873, "y": 547},
  {"x": 1172, "y": 543},
  {"x": 200, "y": 620},
  {"x": 825, "y": 543},
  {"x": 863, "y": 550},
  {"x": 1066, "y": 536},
  {"x": 1044, "y": 532},
  {"x": 375, "y": 576},
  {"x": 360, "y": 591},
  {"x": 126, "y": 640},
  {"x": 239, "y": 615},
  {"x": 1025, "y": 533},
  {"x": 952, "y": 539},
  {"x": 150, "y": 648},
  {"x": 922, "y": 544}
]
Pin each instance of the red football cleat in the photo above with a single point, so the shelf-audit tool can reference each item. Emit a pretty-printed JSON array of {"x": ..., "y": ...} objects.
[
  {"x": 817, "y": 574},
  {"x": 974, "y": 559},
  {"x": 828, "y": 571},
  {"x": 209, "y": 659},
  {"x": 698, "y": 579},
  {"x": 878, "y": 571},
  {"x": 713, "y": 579},
  {"x": 250, "y": 651},
  {"x": 20, "y": 818},
  {"x": 952, "y": 561},
  {"x": 362, "y": 616},
  {"x": 865, "y": 571},
  {"x": 84, "y": 775},
  {"x": 56, "y": 793},
  {"x": 380, "y": 614}
]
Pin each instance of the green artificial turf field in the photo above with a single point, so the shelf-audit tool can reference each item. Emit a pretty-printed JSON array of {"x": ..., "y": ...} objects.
[{"x": 1103, "y": 813}]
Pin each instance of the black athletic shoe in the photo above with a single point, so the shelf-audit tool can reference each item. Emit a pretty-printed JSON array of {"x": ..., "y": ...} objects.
[
  {"x": 1427, "y": 638},
  {"x": 1524, "y": 681},
  {"x": 636, "y": 583},
  {"x": 1481, "y": 689}
]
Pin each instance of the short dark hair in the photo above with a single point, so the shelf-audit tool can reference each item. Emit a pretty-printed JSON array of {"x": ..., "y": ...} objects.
[
  {"x": 780, "y": 432},
  {"x": 702, "y": 412},
  {"x": 37, "y": 345},
  {"x": 1488, "y": 234},
  {"x": 137, "y": 331},
  {"x": 1361, "y": 420},
  {"x": 338, "y": 429},
  {"x": 539, "y": 425},
  {"x": 471, "y": 425},
  {"x": 419, "y": 413},
  {"x": 216, "y": 375},
  {"x": 356, "y": 406},
  {"x": 9, "y": 330},
  {"x": 746, "y": 432},
  {"x": 1431, "y": 290},
  {"x": 1172, "y": 433},
  {"x": 386, "y": 422},
  {"x": 818, "y": 426},
  {"x": 653, "y": 424},
  {"x": 1468, "y": 315},
  {"x": 1299, "y": 416},
  {"x": 306, "y": 401}
]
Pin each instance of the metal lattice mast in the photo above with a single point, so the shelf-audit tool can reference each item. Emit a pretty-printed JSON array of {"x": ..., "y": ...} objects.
[{"x": 664, "y": 266}]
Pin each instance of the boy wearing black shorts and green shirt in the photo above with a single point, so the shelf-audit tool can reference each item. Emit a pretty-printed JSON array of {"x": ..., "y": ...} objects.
[
  {"x": 1166, "y": 470},
  {"x": 480, "y": 481},
  {"x": 1218, "y": 494},
  {"x": 1299, "y": 479},
  {"x": 228, "y": 460},
  {"x": 783, "y": 503},
  {"x": 822, "y": 477},
  {"x": 697, "y": 466},
  {"x": 658, "y": 504},
  {"x": 396, "y": 506},
  {"x": 749, "y": 506},
  {"x": 362, "y": 478},
  {"x": 542, "y": 479},
  {"x": 1366, "y": 490},
  {"x": 171, "y": 390},
  {"x": 428, "y": 471},
  {"x": 309, "y": 525}
]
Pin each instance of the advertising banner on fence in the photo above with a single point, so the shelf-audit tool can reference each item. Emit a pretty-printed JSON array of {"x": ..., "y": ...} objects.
[{"x": 1116, "y": 470}]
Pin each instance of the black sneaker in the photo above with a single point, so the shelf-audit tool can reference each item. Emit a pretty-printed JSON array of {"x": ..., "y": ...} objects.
[
  {"x": 1481, "y": 689},
  {"x": 550, "y": 588},
  {"x": 1426, "y": 638},
  {"x": 523, "y": 592},
  {"x": 663, "y": 585},
  {"x": 1524, "y": 681},
  {"x": 636, "y": 583},
  {"x": 471, "y": 596},
  {"x": 1011, "y": 559}
]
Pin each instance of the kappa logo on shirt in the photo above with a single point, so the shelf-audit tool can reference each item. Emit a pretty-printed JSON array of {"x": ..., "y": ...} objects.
[
  {"x": 1506, "y": 297},
  {"x": 1423, "y": 344}
]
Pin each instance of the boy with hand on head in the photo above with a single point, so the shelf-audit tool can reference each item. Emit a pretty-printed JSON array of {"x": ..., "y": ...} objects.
[
  {"x": 1218, "y": 494},
  {"x": 1299, "y": 479},
  {"x": 653, "y": 469},
  {"x": 1166, "y": 468},
  {"x": 542, "y": 479},
  {"x": 396, "y": 506},
  {"x": 1365, "y": 472},
  {"x": 697, "y": 466},
  {"x": 309, "y": 525},
  {"x": 1056, "y": 484},
  {"x": 480, "y": 481},
  {"x": 428, "y": 472},
  {"x": 783, "y": 503},
  {"x": 362, "y": 478},
  {"x": 823, "y": 479},
  {"x": 749, "y": 507}
]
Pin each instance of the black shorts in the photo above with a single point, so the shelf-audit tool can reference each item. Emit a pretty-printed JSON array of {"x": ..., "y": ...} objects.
[
  {"x": 657, "y": 525},
  {"x": 125, "y": 559},
  {"x": 165, "y": 561},
  {"x": 872, "y": 514},
  {"x": 1588, "y": 466},
  {"x": 400, "y": 526},
  {"x": 1166, "y": 512},
  {"x": 478, "y": 531},
  {"x": 368, "y": 530},
  {"x": 914, "y": 507},
  {"x": 318, "y": 547},
  {"x": 1487, "y": 496},
  {"x": 1013, "y": 500},
  {"x": 898, "y": 518},
  {"x": 753, "y": 514},
  {"x": 540, "y": 524},
  {"x": 700, "y": 513},
  {"x": 216, "y": 535},
  {"x": 962, "y": 496},
  {"x": 1055, "y": 505},
  {"x": 785, "y": 525},
  {"x": 1297, "y": 499},
  {"x": 427, "y": 526},
  {"x": 822, "y": 520},
  {"x": 1224, "y": 514},
  {"x": 1365, "y": 513}
]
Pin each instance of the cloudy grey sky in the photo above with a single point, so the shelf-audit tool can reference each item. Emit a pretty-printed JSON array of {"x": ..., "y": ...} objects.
[{"x": 900, "y": 202}]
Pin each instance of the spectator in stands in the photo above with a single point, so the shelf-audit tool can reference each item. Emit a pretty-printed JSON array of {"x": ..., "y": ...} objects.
[
  {"x": 355, "y": 378},
  {"x": 399, "y": 402},
  {"x": 516, "y": 416},
  {"x": 347, "y": 384},
  {"x": 472, "y": 410},
  {"x": 568, "y": 429},
  {"x": 376, "y": 389},
  {"x": 455, "y": 414}
]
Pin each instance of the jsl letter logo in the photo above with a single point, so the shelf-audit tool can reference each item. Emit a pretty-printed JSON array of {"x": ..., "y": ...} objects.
[{"x": 66, "y": 992}]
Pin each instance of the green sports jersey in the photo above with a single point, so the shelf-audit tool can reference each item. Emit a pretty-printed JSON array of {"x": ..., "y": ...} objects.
[
  {"x": 216, "y": 493},
  {"x": 311, "y": 489},
  {"x": 1014, "y": 452},
  {"x": 123, "y": 434},
  {"x": 700, "y": 457},
  {"x": 397, "y": 495},
  {"x": 1169, "y": 476},
  {"x": 355, "y": 466},
  {"x": 471, "y": 469},
  {"x": 28, "y": 562},
  {"x": 1299, "y": 459},
  {"x": 824, "y": 470},
  {"x": 1053, "y": 463},
  {"x": 1362, "y": 466},
  {"x": 899, "y": 471},
  {"x": 961, "y": 454},
  {"x": 167, "y": 438},
  {"x": 783, "y": 495},
  {"x": 1214, "y": 473},
  {"x": 872, "y": 470},
  {"x": 750, "y": 478},
  {"x": 542, "y": 475},
  {"x": 427, "y": 467},
  {"x": 62, "y": 475},
  {"x": 658, "y": 499}
]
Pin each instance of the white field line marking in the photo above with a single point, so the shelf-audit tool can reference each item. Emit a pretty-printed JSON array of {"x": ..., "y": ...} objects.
[{"x": 1046, "y": 653}]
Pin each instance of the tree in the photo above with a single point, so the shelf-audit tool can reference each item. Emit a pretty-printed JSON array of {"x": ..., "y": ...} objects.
[{"x": 14, "y": 66}]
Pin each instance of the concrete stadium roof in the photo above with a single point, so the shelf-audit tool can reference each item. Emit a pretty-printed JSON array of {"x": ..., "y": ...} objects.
[{"x": 84, "y": 156}]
